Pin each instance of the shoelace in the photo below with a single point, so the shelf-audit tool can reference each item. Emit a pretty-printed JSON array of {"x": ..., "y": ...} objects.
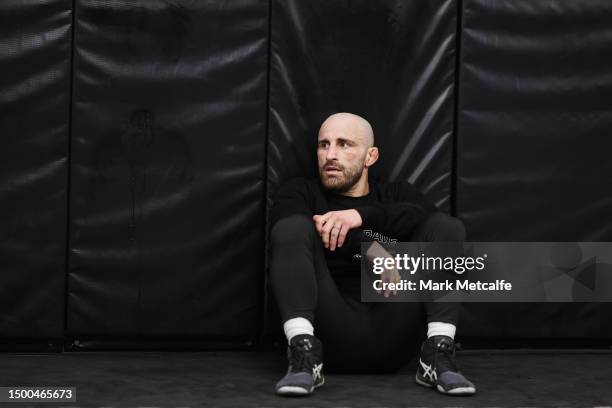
[
  {"x": 301, "y": 359},
  {"x": 447, "y": 358}
]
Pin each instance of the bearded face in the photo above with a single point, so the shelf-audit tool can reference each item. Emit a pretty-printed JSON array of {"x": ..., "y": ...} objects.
[
  {"x": 339, "y": 178},
  {"x": 344, "y": 153}
]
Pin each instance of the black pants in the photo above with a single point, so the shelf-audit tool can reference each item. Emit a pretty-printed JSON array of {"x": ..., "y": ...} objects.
[{"x": 372, "y": 337}]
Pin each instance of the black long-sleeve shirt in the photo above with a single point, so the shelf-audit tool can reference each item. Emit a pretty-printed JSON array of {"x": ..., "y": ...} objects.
[{"x": 390, "y": 211}]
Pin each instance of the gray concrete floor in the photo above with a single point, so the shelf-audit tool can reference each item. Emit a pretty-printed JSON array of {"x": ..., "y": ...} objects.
[{"x": 516, "y": 378}]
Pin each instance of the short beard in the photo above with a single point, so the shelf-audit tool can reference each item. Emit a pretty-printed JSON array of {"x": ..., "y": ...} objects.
[{"x": 350, "y": 177}]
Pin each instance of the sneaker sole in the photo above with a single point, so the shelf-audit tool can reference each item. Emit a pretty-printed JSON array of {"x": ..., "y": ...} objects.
[
  {"x": 291, "y": 390},
  {"x": 454, "y": 391},
  {"x": 422, "y": 382},
  {"x": 457, "y": 391}
]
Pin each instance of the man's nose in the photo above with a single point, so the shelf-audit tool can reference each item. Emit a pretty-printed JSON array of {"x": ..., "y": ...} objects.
[{"x": 331, "y": 153}]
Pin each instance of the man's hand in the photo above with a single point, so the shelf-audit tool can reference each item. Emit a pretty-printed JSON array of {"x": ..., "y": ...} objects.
[
  {"x": 334, "y": 225},
  {"x": 389, "y": 275}
]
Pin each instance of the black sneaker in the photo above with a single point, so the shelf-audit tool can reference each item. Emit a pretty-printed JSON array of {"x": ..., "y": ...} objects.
[
  {"x": 305, "y": 355},
  {"x": 437, "y": 367}
]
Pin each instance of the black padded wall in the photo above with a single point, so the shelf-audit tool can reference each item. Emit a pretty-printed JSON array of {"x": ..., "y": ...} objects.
[
  {"x": 34, "y": 127},
  {"x": 178, "y": 141},
  {"x": 167, "y": 197},
  {"x": 389, "y": 61},
  {"x": 533, "y": 136},
  {"x": 535, "y": 120}
]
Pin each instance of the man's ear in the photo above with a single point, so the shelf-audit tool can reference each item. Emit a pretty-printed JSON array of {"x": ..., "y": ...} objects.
[{"x": 371, "y": 156}]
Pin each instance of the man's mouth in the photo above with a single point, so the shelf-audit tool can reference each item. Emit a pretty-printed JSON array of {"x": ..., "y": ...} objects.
[{"x": 332, "y": 169}]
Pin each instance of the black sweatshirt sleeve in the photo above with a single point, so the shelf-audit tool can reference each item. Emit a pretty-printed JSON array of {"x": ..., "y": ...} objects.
[
  {"x": 292, "y": 197},
  {"x": 402, "y": 209},
  {"x": 353, "y": 240}
]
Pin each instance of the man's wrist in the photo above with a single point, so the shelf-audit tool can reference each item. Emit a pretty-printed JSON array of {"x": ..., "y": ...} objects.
[{"x": 376, "y": 251}]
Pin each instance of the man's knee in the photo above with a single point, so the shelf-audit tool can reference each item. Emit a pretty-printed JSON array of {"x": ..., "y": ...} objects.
[
  {"x": 292, "y": 229},
  {"x": 443, "y": 227}
]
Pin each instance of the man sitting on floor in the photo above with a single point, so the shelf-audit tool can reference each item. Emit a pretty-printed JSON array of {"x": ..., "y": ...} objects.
[{"x": 317, "y": 229}]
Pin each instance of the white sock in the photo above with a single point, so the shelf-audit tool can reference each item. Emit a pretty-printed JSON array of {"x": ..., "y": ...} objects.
[
  {"x": 297, "y": 325},
  {"x": 441, "y": 329}
]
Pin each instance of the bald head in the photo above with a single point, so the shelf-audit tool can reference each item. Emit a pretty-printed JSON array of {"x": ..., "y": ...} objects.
[
  {"x": 345, "y": 151},
  {"x": 350, "y": 124}
]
